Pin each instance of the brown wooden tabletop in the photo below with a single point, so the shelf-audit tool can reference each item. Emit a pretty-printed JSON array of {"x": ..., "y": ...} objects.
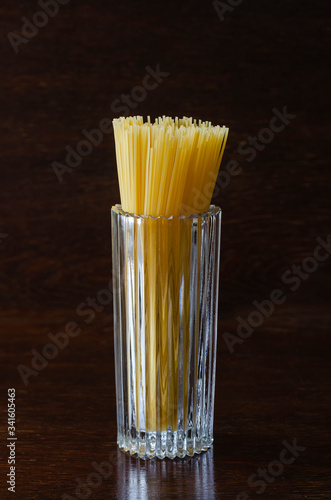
[{"x": 259, "y": 67}]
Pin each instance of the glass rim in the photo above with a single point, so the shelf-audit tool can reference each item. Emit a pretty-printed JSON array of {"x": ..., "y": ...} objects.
[{"x": 213, "y": 210}]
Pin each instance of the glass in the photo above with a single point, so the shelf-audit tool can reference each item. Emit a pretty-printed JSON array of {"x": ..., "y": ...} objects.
[{"x": 165, "y": 285}]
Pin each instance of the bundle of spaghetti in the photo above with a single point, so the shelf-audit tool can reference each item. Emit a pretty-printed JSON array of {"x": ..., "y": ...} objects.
[{"x": 168, "y": 167}]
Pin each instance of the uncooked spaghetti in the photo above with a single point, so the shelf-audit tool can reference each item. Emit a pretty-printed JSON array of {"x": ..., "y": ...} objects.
[{"x": 166, "y": 167}]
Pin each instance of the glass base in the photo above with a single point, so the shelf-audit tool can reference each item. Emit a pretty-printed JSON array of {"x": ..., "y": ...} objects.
[{"x": 162, "y": 444}]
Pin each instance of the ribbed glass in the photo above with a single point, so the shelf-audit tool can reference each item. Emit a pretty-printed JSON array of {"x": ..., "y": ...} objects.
[{"x": 165, "y": 284}]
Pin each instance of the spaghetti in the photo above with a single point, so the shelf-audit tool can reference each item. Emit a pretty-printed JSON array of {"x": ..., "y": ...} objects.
[{"x": 166, "y": 167}]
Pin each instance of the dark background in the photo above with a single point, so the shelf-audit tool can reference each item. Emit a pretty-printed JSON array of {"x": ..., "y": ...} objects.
[{"x": 55, "y": 243}]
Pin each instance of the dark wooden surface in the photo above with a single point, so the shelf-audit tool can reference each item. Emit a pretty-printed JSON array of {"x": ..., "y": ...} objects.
[{"x": 275, "y": 387}]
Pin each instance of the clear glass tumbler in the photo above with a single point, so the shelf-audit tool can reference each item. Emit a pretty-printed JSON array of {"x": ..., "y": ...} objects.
[{"x": 165, "y": 286}]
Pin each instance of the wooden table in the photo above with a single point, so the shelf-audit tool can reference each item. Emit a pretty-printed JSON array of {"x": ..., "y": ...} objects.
[{"x": 273, "y": 391}]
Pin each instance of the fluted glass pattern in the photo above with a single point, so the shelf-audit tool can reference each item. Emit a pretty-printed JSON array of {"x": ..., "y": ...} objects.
[{"x": 165, "y": 284}]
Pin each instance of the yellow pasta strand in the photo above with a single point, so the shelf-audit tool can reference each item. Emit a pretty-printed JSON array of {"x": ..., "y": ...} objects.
[{"x": 167, "y": 168}]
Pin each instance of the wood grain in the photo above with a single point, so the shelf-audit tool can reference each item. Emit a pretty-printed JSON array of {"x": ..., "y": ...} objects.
[{"x": 275, "y": 387}]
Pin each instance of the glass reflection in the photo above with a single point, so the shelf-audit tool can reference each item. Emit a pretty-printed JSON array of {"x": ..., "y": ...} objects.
[{"x": 154, "y": 479}]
